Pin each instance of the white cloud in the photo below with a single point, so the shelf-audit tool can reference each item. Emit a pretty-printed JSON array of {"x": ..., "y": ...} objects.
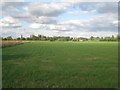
[
  {"x": 9, "y": 22},
  {"x": 115, "y": 22},
  {"x": 12, "y": 0},
  {"x": 59, "y": 27},
  {"x": 37, "y": 26},
  {"x": 82, "y": 12}
]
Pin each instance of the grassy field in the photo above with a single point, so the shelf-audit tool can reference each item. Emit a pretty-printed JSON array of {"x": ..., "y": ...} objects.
[{"x": 61, "y": 64}]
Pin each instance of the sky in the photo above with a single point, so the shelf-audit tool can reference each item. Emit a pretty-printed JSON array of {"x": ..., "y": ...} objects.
[{"x": 58, "y": 18}]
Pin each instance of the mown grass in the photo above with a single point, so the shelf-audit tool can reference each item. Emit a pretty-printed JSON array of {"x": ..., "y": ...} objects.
[{"x": 61, "y": 65}]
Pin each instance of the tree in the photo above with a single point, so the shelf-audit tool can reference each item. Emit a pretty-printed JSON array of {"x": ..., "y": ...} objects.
[
  {"x": 39, "y": 37},
  {"x": 118, "y": 37},
  {"x": 18, "y": 38},
  {"x": 22, "y": 38},
  {"x": 91, "y": 38},
  {"x": 113, "y": 37},
  {"x": 9, "y": 38},
  {"x": 33, "y": 37}
]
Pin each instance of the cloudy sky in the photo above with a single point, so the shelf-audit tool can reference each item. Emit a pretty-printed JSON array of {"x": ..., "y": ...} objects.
[{"x": 59, "y": 18}]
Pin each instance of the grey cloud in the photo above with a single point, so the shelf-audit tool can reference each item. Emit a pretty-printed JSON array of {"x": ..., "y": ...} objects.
[
  {"x": 95, "y": 24},
  {"x": 11, "y": 8},
  {"x": 35, "y": 19},
  {"x": 10, "y": 4},
  {"x": 101, "y": 7},
  {"x": 42, "y": 9},
  {"x": 108, "y": 8}
]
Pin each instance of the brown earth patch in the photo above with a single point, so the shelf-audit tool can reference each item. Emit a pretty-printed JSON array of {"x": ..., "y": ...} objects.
[{"x": 15, "y": 42}]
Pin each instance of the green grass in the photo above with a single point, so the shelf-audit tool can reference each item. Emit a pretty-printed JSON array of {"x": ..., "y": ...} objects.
[{"x": 61, "y": 64}]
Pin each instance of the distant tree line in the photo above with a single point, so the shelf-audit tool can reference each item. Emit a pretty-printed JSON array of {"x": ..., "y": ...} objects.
[{"x": 63, "y": 38}]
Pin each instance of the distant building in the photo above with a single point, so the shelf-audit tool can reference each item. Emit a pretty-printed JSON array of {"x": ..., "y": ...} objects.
[{"x": 81, "y": 40}]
